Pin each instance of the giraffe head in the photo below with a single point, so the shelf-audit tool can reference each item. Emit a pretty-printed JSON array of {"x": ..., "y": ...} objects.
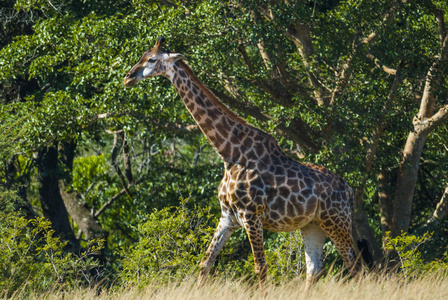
[{"x": 153, "y": 62}]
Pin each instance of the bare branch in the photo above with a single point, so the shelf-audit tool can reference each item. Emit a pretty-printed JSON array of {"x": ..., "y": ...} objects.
[
  {"x": 108, "y": 203},
  {"x": 437, "y": 119},
  {"x": 275, "y": 88},
  {"x": 300, "y": 35},
  {"x": 371, "y": 150},
  {"x": 440, "y": 23},
  {"x": 345, "y": 67},
  {"x": 442, "y": 207},
  {"x": 433, "y": 80},
  {"x": 380, "y": 65},
  {"x": 388, "y": 17},
  {"x": 115, "y": 150},
  {"x": 127, "y": 160}
]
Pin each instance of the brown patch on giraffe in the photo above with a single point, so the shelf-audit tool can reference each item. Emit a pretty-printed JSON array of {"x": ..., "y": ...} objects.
[
  {"x": 307, "y": 192},
  {"x": 248, "y": 143},
  {"x": 280, "y": 180},
  {"x": 199, "y": 112},
  {"x": 281, "y": 206},
  {"x": 259, "y": 149},
  {"x": 283, "y": 192},
  {"x": 261, "y": 166},
  {"x": 182, "y": 73},
  {"x": 311, "y": 205},
  {"x": 274, "y": 216},
  {"x": 299, "y": 208},
  {"x": 224, "y": 125},
  {"x": 308, "y": 181},
  {"x": 318, "y": 189}
]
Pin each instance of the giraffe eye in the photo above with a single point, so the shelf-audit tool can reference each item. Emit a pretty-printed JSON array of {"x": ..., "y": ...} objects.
[{"x": 151, "y": 60}]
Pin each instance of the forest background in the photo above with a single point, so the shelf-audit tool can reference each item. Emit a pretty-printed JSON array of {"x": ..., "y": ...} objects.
[{"x": 101, "y": 183}]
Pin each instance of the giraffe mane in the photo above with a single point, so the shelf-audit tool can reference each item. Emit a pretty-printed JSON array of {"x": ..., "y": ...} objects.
[
  {"x": 210, "y": 94},
  {"x": 218, "y": 102}
]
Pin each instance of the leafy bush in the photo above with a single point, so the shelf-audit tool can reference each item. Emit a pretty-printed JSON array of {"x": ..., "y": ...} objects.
[
  {"x": 171, "y": 244},
  {"x": 410, "y": 258},
  {"x": 32, "y": 259},
  {"x": 285, "y": 255}
]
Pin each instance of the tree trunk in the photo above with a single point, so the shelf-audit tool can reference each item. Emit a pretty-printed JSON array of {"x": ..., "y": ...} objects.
[
  {"x": 385, "y": 202},
  {"x": 407, "y": 178},
  {"x": 424, "y": 122},
  {"x": 364, "y": 232},
  {"x": 363, "y": 229},
  {"x": 50, "y": 198},
  {"x": 77, "y": 210}
]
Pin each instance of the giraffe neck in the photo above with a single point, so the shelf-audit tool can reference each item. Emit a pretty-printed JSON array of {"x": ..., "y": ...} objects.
[{"x": 230, "y": 135}]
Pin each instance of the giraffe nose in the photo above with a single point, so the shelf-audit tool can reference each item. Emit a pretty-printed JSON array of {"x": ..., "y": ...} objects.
[{"x": 127, "y": 81}]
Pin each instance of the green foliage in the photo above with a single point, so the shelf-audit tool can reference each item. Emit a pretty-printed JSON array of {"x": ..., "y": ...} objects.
[
  {"x": 9, "y": 201},
  {"x": 406, "y": 246},
  {"x": 62, "y": 63},
  {"x": 32, "y": 259},
  {"x": 285, "y": 256},
  {"x": 171, "y": 244}
]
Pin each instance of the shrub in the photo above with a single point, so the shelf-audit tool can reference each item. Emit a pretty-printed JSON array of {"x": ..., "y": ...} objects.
[
  {"x": 32, "y": 259},
  {"x": 410, "y": 258},
  {"x": 172, "y": 241}
]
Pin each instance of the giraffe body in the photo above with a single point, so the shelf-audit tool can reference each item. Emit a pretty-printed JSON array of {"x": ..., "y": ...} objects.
[{"x": 262, "y": 187}]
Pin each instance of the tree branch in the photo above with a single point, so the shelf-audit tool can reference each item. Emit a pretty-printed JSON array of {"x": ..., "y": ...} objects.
[
  {"x": 442, "y": 207},
  {"x": 127, "y": 160},
  {"x": 433, "y": 79},
  {"x": 380, "y": 65},
  {"x": 108, "y": 203},
  {"x": 115, "y": 150},
  {"x": 440, "y": 23},
  {"x": 300, "y": 35},
  {"x": 276, "y": 89},
  {"x": 437, "y": 119}
]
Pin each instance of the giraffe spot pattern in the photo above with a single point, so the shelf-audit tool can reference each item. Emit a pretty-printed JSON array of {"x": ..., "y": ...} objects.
[{"x": 262, "y": 187}]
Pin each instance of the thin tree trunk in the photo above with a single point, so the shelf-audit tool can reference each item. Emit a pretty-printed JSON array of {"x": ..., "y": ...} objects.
[
  {"x": 76, "y": 208},
  {"x": 385, "y": 202},
  {"x": 364, "y": 232},
  {"x": 407, "y": 178},
  {"x": 50, "y": 198},
  {"x": 441, "y": 209}
]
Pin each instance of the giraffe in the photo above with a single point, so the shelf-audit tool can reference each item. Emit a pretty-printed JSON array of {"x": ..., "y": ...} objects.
[{"x": 262, "y": 187}]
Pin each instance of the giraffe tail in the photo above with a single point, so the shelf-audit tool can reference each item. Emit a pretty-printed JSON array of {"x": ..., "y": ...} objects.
[{"x": 363, "y": 245}]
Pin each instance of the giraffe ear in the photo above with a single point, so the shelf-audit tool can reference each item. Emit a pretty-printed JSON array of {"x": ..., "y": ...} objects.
[{"x": 175, "y": 56}]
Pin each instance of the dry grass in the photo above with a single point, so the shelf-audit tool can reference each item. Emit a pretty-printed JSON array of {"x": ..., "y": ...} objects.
[{"x": 330, "y": 288}]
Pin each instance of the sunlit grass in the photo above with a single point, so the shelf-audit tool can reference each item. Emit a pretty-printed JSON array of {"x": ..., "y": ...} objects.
[{"x": 331, "y": 287}]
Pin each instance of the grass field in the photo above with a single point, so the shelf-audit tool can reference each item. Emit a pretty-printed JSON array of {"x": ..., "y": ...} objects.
[{"x": 329, "y": 288}]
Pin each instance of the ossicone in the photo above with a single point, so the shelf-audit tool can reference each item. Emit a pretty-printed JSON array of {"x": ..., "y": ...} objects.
[{"x": 159, "y": 42}]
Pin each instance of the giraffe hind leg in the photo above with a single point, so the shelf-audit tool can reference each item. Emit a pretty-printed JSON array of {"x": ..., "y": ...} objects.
[
  {"x": 340, "y": 236},
  {"x": 313, "y": 239},
  {"x": 254, "y": 229}
]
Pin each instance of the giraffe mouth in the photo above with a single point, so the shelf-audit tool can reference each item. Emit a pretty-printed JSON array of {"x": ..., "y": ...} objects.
[
  {"x": 129, "y": 82},
  {"x": 133, "y": 76}
]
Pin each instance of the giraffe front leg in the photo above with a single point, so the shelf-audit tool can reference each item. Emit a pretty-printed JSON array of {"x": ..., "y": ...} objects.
[
  {"x": 254, "y": 229},
  {"x": 313, "y": 239},
  {"x": 223, "y": 232}
]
